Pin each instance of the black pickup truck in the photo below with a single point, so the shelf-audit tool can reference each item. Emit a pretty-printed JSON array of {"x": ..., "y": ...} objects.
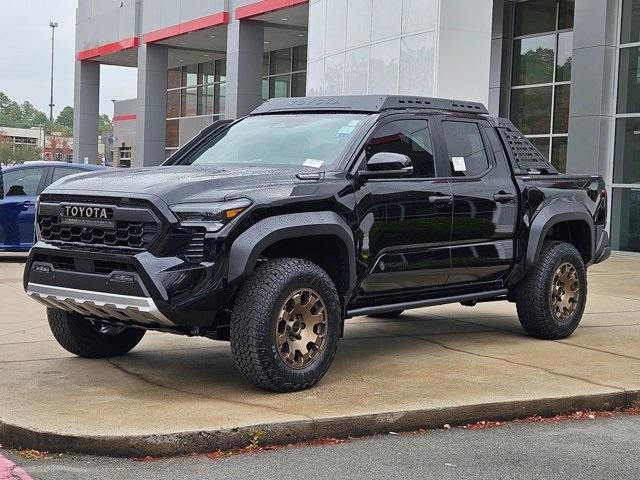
[{"x": 270, "y": 231}]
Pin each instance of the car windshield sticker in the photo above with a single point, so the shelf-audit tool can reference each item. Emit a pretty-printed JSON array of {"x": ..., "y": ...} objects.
[
  {"x": 458, "y": 164},
  {"x": 310, "y": 162}
]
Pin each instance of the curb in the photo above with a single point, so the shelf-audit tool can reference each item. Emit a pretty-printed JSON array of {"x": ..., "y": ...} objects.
[{"x": 18, "y": 437}]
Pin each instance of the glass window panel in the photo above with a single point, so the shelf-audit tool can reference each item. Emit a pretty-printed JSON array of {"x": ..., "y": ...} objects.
[
  {"x": 174, "y": 78},
  {"x": 221, "y": 70},
  {"x": 220, "y": 92},
  {"x": 531, "y": 110},
  {"x": 407, "y": 137},
  {"x": 205, "y": 100},
  {"x": 535, "y": 16},
  {"x": 298, "y": 84},
  {"x": 565, "y": 14},
  {"x": 189, "y": 75},
  {"x": 565, "y": 51},
  {"x": 280, "y": 61},
  {"x": 173, "y": 103},
  {"x": 189, "y": 102},
  {"x": 22, "y": 182},
  {"x": 265, "y": 89},
  {"x": 299, "y": 61},
  {"x": 542, "y": 144},
  {"x": 559, "y": 153},
  {"x": 205, "y": 72},
  {"x": 625, "y": 224},
  {"x": 464, "y": 140},
  {"x": 172, "y": 134},
  {"x": 533, "y": 60},
  {"x": 561, "y": 109},
  {"x": 628, "y": 81},
  {"x": 279, "y": 86},
  {"x": 265, "y": 64},
  {"x": 630, "y": 30},
  {"x": 626, "y": 164}
]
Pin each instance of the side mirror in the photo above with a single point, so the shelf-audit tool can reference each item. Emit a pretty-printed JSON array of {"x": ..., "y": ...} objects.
[{"x": 387, "y": 165}]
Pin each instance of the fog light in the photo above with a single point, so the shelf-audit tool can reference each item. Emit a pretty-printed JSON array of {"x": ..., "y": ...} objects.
[
  {"x": 118, "y": 277},
  {"x": 41, "y": 269}
]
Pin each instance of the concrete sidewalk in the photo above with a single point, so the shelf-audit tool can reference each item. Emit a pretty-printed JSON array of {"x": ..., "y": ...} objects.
[{"x": 448, "y": 364}]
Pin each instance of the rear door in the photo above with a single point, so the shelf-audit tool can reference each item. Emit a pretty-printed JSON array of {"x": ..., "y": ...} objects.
[
  {"x": 21, "y": 187},
  {"x": 485, "y": 203},
  {"x": 405, "y": 222}
]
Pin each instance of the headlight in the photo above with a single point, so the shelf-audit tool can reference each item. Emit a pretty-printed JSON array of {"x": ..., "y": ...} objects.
[{"x": 211, "y": 216}]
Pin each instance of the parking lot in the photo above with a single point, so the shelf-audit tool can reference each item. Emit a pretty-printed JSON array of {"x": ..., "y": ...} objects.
[{"x": 448, "y": 364}]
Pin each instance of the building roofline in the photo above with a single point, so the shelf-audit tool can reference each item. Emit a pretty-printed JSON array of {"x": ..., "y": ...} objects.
[
  {"x": 108, "y": 48},
  {"x": 220, "y": 18},
  {"x": 265, "y": 6}
]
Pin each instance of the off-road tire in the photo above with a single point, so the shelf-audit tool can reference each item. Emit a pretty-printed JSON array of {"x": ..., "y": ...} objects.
[
  {"x": 533, "y": 294},
  {"x": 255, "y": 317},
  {"x": 81, "y": 337},
  {"x": 394, "y": 314}
]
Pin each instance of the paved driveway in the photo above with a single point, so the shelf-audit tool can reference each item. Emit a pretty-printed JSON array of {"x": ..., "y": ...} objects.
[{"x": 387, "y": 374}]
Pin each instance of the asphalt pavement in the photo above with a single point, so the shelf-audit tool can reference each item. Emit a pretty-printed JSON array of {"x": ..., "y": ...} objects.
[{"x": 602, "y": 448}]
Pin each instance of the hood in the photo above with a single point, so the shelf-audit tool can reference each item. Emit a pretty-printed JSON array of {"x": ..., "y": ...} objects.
[{"x": 177, "y": 184}]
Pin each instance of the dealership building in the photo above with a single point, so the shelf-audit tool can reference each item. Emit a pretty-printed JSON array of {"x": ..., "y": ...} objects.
[{"x": 567, "y": 72}]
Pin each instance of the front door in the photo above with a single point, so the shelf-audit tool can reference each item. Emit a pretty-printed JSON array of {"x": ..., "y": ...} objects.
[
  {"x": 17, "y": 207},
  {"x": 405, "y": 223},
  {"x": 485, "y": 203}
]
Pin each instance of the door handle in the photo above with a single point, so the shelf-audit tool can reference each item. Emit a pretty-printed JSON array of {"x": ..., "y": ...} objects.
[
  {"x": 504, "y": 197},
  {"x": 440, "y": 199}
]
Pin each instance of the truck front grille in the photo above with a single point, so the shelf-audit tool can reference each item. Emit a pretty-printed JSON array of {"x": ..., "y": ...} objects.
[{"x": 137, "y": 235}]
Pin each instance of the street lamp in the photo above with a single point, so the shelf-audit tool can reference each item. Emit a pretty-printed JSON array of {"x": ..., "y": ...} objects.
[{"x": 53, "y": 26}]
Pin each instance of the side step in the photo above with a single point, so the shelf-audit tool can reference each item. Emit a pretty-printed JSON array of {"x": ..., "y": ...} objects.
[{"x": 469, "y": 297}]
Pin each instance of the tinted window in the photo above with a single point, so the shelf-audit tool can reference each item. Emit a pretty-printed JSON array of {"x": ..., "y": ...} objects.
[
  {"x": 60, "y": 172},
  {"x": 23, "y": 182},
  {"x": 467, "y": 155},
  {"x": 408, "y": 137}
]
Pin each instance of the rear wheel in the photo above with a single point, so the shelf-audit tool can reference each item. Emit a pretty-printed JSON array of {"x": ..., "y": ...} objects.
[
  {"x": 551, "y": 299},
  {"x": 285, "y": 325},
  {"x": 91, "y": 338}
]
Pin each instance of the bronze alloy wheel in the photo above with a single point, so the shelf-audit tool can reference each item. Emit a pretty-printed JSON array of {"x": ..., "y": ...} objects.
[
  {"x": 301, "y": 328},
  {"x": 565, "y": 291}
]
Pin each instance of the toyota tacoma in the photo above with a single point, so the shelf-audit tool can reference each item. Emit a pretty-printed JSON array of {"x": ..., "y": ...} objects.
[{"x": 271, "y": 230}]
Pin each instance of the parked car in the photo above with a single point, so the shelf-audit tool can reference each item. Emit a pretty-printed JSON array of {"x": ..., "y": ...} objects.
[
  {"x": 272, "y": 230},
  {"x": 20, "y": 186}
]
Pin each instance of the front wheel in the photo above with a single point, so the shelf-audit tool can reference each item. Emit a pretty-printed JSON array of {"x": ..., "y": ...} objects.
[
  {"x": 551, "y": 299},
  {"x": 285, "y": 325},
  {"x": 91, "y": 338}
]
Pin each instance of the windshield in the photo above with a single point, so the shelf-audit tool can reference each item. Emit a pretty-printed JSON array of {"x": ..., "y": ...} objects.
[{"x": 308, "y": 140}]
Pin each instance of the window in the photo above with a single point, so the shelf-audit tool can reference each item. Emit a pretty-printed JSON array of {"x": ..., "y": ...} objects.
[
  {"x": 625, "y": 225},
  {"x": 125, "y": 157},
  {"x": 467, "y": 155},
  {"x": 61, "y": 172},
  {"x": 541, "y": 74},
  {"x": 284, "y": 73},
  {"x": 21, "y": 182},
  {"x": 408, "y": 137}
]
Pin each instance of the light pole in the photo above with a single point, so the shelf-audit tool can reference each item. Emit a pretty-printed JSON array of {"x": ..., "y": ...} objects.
[{"x": 53, "y": 26}]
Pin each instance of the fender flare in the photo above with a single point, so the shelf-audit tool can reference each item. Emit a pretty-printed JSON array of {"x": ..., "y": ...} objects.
[
  {"x": 246, "y": 249},
  {"x": 552, "y": 214}
]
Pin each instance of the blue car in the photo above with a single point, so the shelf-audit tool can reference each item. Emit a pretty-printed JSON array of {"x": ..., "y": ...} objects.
[{"x": 19, "y": 188}]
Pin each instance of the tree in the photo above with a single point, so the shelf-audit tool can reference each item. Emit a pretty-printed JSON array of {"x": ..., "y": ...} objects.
[
  {"x": 65, "y": 117},
  {"x": 104, "y": 124}
]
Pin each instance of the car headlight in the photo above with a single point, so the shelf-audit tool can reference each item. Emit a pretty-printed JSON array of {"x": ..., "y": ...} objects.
[{"x": 211, "y": 216}]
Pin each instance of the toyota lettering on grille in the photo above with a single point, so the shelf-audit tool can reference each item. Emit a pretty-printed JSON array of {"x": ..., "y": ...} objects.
[{"x": 86, "y": 214}]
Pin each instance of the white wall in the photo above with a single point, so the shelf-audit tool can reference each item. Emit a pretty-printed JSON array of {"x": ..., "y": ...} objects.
[{"x": 412, "y": 47}]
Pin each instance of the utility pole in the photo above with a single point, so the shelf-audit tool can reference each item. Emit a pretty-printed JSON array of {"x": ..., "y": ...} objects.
[{"x": 53, "y": 26}]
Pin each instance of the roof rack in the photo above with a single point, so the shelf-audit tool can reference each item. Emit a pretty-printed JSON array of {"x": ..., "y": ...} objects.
[{"x": 368, "y": 104}]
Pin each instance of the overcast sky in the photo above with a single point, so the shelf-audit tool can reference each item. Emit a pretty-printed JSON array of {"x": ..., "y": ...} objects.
[{"x": 25, "y": 56}]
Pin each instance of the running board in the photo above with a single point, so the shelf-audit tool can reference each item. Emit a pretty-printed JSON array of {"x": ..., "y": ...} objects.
[{"x": 356, "y": 312}]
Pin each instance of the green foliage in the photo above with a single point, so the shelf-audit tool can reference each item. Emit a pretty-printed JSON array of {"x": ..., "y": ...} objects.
[
  {"x": 23, "y": 153},
  {"x": 65, "y": 117},
  {"x": 104, "y": 124}
]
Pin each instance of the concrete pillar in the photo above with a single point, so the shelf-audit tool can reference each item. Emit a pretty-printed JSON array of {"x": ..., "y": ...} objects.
[
  {"x": 85, "y": 113},
  {"x": 407, "y": 47},
  {"x": 245, "y": 48},
  {"x": 592, "y": 108},
  {"x": 501, "y": 58},
  {"x": 151, "y": 111}
]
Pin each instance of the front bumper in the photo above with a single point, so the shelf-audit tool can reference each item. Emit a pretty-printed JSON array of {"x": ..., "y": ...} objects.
[{"x": 151, "y": 291}]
